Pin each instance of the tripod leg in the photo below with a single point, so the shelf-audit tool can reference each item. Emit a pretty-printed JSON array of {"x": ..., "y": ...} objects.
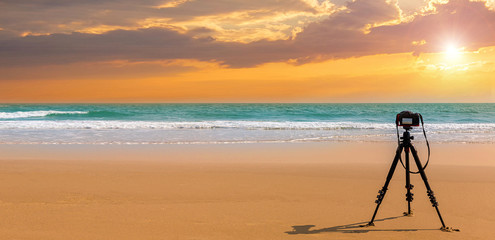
[
  {"x": 409, "y": 186},
  {"x": 433, "y": 200},
  {"x": 383, "y": 191}
]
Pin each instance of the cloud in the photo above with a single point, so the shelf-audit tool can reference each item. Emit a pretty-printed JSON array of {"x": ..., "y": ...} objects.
[
  {"x": 232, "y": 20},
  {"x": 459, "y": 22},
  {"x": 363, "y": 28},
  {"x": 60, "y": 16},
  {"x": 193, "y": 9}
]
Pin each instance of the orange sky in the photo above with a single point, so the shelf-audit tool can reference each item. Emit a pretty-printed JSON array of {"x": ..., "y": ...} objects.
[{"x": 260, "y": 51}]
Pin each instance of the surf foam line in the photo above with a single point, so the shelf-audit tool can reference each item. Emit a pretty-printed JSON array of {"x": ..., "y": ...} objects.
[
  {"x": 28, "y": 114},
  {"x": 243, "y": 125}
]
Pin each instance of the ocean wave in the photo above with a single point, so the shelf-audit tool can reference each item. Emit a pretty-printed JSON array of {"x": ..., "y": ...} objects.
[
  {"x": 245, "y": 125},
  {"x": 29, "y": 114}
]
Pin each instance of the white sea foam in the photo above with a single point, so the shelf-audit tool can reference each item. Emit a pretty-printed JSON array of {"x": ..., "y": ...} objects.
[
  {"x": 220, "y": 132},
  {"x": 28, "y": 114},
  {"x": 259, "y": 125},
  {"x": 245, "y": 125}
]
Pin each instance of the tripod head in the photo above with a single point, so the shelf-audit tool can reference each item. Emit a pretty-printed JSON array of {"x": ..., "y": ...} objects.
[{"x": 406, "y": 136}]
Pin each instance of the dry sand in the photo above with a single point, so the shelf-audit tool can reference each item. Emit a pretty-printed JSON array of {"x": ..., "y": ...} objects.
[{"x": 239, "y": 191}]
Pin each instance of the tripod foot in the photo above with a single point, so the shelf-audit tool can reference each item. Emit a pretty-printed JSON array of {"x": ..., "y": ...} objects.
[
  {"x": 449, "y": 229},
  {"x": 370, "y": 224},
  {"x": 406, "y": 214}
]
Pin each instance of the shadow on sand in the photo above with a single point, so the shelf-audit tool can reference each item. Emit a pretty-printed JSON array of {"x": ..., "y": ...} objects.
[{"x": 350, "y": 228}]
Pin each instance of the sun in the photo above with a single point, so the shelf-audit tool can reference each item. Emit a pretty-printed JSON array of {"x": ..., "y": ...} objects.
[{"x": 452, "y": 51}]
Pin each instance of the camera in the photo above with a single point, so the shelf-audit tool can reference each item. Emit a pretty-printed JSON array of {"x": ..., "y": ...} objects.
[{"x": 408, "y": 119}]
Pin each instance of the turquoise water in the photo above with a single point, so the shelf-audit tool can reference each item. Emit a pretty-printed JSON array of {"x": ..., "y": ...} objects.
[{"x": 232, "y": 123}]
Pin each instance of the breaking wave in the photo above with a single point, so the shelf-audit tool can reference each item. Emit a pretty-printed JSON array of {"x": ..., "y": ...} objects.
[{"x": 31, "y": 114}]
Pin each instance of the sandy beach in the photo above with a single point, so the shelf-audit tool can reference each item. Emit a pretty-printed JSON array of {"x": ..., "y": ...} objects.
[
  {"x": 239, "y": 191},
  {"x": 246, "y": 120}
]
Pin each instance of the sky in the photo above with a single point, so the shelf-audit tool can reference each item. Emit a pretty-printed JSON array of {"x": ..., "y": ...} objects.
[{"x": 247, "y": 51}]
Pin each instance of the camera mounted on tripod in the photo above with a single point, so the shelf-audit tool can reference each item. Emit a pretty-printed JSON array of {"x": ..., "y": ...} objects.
[{"x": 408, "y": 119}]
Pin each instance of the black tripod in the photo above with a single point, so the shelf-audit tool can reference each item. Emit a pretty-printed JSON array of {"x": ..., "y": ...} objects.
[{"x": 406, "y": 145}]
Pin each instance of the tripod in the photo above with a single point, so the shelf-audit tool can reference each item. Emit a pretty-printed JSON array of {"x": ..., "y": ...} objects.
[{"x": 406, "y": 145}]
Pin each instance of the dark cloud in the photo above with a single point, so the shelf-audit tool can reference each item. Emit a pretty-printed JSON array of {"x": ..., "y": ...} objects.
[
  {"x": 344, "y": 34},
  {"x": 193, "y": 9},
  {"x": 57, "y": 16},
  {"x": 7, "y": 34},
  {"x": 65, "y": 16}
]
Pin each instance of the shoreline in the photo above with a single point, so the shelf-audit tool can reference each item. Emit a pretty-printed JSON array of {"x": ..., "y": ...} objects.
[{"x": 441, "y": 152}]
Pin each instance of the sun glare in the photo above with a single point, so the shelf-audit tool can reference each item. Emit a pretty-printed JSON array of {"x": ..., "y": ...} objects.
[{"x": 452, "y": 51}]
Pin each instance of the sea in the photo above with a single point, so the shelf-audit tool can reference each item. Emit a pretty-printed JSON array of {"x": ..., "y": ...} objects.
[{"x": 240, "y": 123}]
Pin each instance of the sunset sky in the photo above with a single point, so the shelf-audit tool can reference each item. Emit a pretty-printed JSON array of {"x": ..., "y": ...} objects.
[{"x": 247, "y": 51}]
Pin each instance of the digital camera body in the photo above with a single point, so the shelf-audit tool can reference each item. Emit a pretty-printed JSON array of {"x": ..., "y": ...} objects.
[{"x": 408, "y": 119}]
